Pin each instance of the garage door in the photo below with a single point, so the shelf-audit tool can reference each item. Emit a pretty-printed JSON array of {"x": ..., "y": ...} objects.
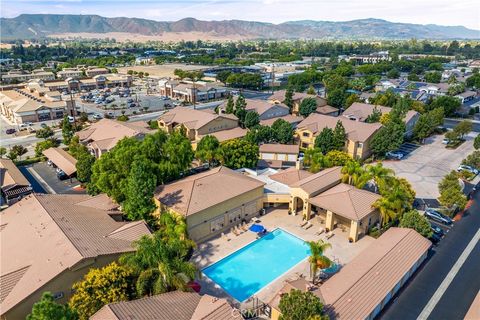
[{"x": 267, "y": 156}]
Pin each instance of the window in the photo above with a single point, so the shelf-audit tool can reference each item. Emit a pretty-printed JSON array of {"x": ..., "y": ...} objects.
[
  {"x": 306, "y": 134},
  {"x": 58, "y": 295},
  {"x": 305, "y": 145},
  {"x": 360, "y": 145}
]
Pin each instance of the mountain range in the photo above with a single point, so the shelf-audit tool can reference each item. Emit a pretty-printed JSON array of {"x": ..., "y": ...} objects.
[{"x": 28, "y": 26}]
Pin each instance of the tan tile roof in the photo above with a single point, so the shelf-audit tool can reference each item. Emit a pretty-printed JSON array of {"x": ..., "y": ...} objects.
[
  {"x": 290, "y": 176},
  {"x": 346, "y": 201},
  {"x": 280, "y": 95},
  {"x": 48, "y": 234},
  {"x": 356, "y": 131},
  {"x": 168, "y": 306},
  {"x": 106, "y": 132},
  {"x": 204, "y": 190},
  {"x": 62, "y": 159},
  {"x": 355, "y": 291},
  {"x": 25, "y": 101},
  {"x": 298, "y": 284},
  {"x": 193, "y": 119},
  {"x": 10, "y": 174},
  {"x": 280, "y": 148},
  {"x": 101, "y": 201},
  {"x": 261, "y": 106},
  {"x": 293, "y": 119},
  {"x": 226, "y": 135},
  {"x": 362, "y": 110},
  {"x": 326, "y": 109},
  {"x": 319, "y": 181}
]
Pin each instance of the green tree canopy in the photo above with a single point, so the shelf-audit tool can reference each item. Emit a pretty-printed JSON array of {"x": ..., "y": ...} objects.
[
  {"x": 298, "y": 305},
  {"x": 339, "y": 136},
  {"x": 282, "y": 131},
  {"x": 44, "y": 133},
  {"x": 374, "y": 116},
  {"x": 251, "y": 119},
  {"x": 67, "y": 130},
  {"x": 84, "y": 165},
  {"x": 288, "y": 101},
  {"x": 207, "y": 149},
  {"x": 447, "y": 103},
  {"x": 325, "y": 141},
  {"x": 416, "y": 221},
  {"x": 308, "y": 106},
  {"x": 433, "y": 77},
  {"x": 238, "y": 153},
  {"x": 48, "y": 309},
  {"x": 389, "y": 137},
  {"x": 230, "y": 105}
]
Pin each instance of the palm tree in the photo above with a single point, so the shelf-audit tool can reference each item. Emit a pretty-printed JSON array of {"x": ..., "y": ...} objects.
[
  {"x": 381, "y": 176},
  {"x": 317, "y": 260},
  {"x": 386, "y": 209},
  {"x": 354, "y": 174},
  {"x": 160, "y": 266}
]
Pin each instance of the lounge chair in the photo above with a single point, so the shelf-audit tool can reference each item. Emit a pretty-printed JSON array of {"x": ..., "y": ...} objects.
[
  {"x": 302, "y": 223},
  {"x": 234, "y": 231},
  {"x": 239, "y": 230},
  {"x": 308, "y": 225},
  {"x": 329, "y": 235},
  {"x": 225, "y": 237},
  {"x": 320, "y": 231},
  {"x": 245, "y": 227}
]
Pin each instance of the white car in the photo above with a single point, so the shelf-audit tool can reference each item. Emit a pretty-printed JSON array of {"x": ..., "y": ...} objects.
[
  {"x": 470, "y": 169},
  {"x": 394, "y": 155},
  {"x": 97, "y": 116},
  {"x": 71, "y": 119},
  {"x": 446, "y": 141}
]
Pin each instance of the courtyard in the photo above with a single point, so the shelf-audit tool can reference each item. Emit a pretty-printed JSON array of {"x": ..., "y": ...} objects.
[
  {"x": 425, "y": 166},
  {"x": 218, "y": 248}
]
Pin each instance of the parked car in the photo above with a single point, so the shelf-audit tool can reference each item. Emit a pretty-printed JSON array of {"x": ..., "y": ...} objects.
[
  {"x": 71, "y": 119},
  {"x": 435, "y": 238},
  {"x": 437, "y": 230},
  {"x": 470, "y": 169},
  {"x": 446, "y": 141},
  {"x": 129, "y": 100},
  {"x": 62, "y": 175},
  {"x": 437, "y": 216},
  {"x": 395, "y": 155},
  {"x": 50, "y": 163},
  {"x": 43, "y": 125},
  {"x": 10, "y": 131},
  {"x": 97, "y": 116}
]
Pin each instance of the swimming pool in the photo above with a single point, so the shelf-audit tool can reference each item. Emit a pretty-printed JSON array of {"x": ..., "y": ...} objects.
[{"x": 249, "y": 269}]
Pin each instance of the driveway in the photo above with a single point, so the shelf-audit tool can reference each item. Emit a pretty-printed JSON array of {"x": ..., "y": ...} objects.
[
  {"x": 44, "y": 177},
  {"x": 425, "y": 166}
]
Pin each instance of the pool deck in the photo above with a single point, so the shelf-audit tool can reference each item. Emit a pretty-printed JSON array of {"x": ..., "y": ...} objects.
[{"x": 215, "y": 249}]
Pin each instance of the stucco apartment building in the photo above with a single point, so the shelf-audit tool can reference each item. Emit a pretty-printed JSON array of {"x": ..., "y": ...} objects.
[
  {"x": 18, "y": 76},
  {"x": 279, "y": 97},
  {"x": 360, "y": 111},
  {"x": 176, "y": 305},
  {"x": 213, "y": 201},
  {"x": 191, "y": 92},
  {"x": 196, "y": 123},
  {"x": 32, "y": 104},
  {"x": 49, "y": 242},
  {"x": 13, "y": 184},
  {"x": 359, "y": 134},
  {"x": 265, "y": 109},
  {"x": 364, "y": 286},
  {"x": 102, "y": 136}
]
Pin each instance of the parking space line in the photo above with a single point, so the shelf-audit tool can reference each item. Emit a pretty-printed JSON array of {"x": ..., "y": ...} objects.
[{"x": 40, "y": 180}]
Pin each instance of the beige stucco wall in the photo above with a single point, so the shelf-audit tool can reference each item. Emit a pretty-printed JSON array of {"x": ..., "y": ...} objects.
[
  {"x": 218, "y": 124},
  {"x": 62, "y": 283}
]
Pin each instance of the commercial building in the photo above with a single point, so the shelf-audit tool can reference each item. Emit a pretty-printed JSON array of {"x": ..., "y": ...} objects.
[
  {"x": 95, "y": 71},
  {"x": 100, "y": 81},
  {"x": 213, "y": 201},
  {"x": 191, "y": 92},
  {"x": 103, "y": 135},
  {"x": 34, "y": 104},
  {"x": 359, "y": 134},
  {"x": 196, "y": 123},
  {"x": 69, "y": 73},
  {"x": 364, "y": 286},
  {"x": 168, "y": 306},
  {"x": 49, "y": 242},
  {"x": 18, "y": 76},
  {"x": 14, "y": 186},
  {"x": 360, "y": 112}
]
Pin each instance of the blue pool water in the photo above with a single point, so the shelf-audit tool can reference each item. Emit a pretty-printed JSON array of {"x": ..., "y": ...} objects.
[{"x": 248, "y": 270}]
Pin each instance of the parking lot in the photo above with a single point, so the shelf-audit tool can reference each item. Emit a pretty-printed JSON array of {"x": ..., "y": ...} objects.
[
  {"x": 42, "y": 176},
  {"x": 425, "y": 166}
]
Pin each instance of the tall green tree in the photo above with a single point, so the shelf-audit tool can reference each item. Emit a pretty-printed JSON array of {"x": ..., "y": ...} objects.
[
  {"x": 339, "y": 136},
  {"x": 389, "y": 137},
  {"x": 308, "y": 106},
  {"x": 298, "y": 305},
  {"x": 67, "y": 130},
  {"x": 288, "y": 101},
  {"x": 414, "y": 220},
  {"x": 44, "y": 133},
  {"x": 374, "y": 116},
  {"x": 3, "y": 151},
  {"x": 317, "y": 259},
  {"x": 251, "y": 119},
  {"x": 230, "y": 108},
  {"x": 283, "y": 131},
  {"x": 207, "y": 149},
  {"x": 354, "y": 174},
  {"x": 140, "y": 186},
  {"x": 19, "y": 150},
  {"x": 84, "y": 164},
  {"x": 238, "y": 153},
  {"x": 48, "y": 309},
  {"x": 325, "y": 141}
]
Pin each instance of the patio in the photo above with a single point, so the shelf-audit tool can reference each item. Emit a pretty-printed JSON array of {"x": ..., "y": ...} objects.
[{"x": 216, "y": 249}]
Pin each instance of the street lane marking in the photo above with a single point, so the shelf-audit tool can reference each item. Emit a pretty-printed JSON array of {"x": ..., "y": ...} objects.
[
  {"x": 40, "y": 180},
  {"x": 449, "y": 278}
]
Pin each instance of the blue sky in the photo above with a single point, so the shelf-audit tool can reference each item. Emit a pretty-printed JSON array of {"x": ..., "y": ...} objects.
[{"x": 443, "y": 12}]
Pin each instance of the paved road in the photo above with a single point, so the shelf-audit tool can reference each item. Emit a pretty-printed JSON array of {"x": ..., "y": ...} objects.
[
  {"x": 451, "y": 123},
  {"x": 462, "y": 290},
  {"x": 24, "y": 140}
]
